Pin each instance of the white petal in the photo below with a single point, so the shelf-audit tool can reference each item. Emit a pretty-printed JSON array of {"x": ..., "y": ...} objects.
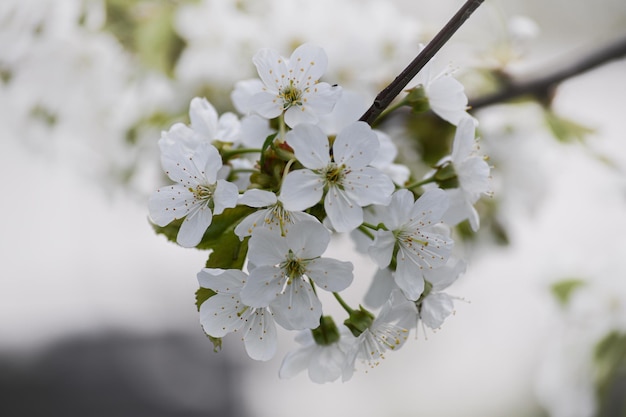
[
  {"x": 321, "y": 99},
  {"x": 203, "y": 118},
  {"x": 308, "y": 240},
  {"x": 260, "y": 335},
  {"x": 464, "y": 140},
  {"x": 169, "y": 203},
  {"x": 242, "y": 93},
  {"x": 382, "y": 249},
  {"x": 271, "y": 68},
  {"x": 356, "y": 145},
  {"x": 248, "y": 224},
  {"x": 310, "y": 145},
  {"x": 228, "y": 281},
  {"x": 266, "y": 248},
  {"x": 266, "y": 104},
  {"x": 380, "y": 289},
  {"x": 301, "y": 189},
  {"x": 298, "y": 307},
  {"x": 295, "y": 362},
  {"x": 435, "y": 309},
  {"x": 344, "y": 214},
  {"x": 429, "y": 208},
  {"x": 473, "y": 176},
  {"x": 225, "y": 196},
  {"x": 228, "y": 128},
  {"x": 308, "y": 63},
  {"x": 194, "y": 226},
  {"x": 330, "y": 274},
  {"x": 297, "y": 115},
  {"x": 258, "y": 198},
  {"x": 221, "y": 314},
  {"x": 409, "y": 277},
  {"x": 263, "y": 286},
  {"x": 208, "y": 161},
  {"x": 326, "y": 364},
  {"x": 367, "y": 186}
]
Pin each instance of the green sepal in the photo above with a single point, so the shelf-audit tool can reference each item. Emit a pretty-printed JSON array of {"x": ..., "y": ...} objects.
[
  {"x": 563, "y": 290},
  {"x": 359, "y": 321},
  {"x": 217, "y": 343},
  {"x": 446, "y": 177},
  {"x": 327, "y": 333},
  {"x": 417, "y": 99},
  {"x": 266, "y": 144}
]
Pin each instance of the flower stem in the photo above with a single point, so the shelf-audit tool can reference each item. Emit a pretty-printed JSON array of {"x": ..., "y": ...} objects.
[
  {"x": 389, "y": 93},
  {"x": 420, "y": 183},
  {"x": 226, "y": 155},
  {"x": 343, "y": 303}
]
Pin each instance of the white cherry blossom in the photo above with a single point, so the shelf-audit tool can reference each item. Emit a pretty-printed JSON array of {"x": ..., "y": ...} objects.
[
  {"x": 289, "y": 86},
  {"x": 413, "y": 237},
  {"x": 345, "y": 180},
  {"x": 224, "y": 313},
  {"x": 435, "y": 305},
  {"x": 281, "y": 266},
  {"x": 197, "y": 194},
  {"x": 323, "y": 363},
  {"x": 472, "y": 173},
  {"x": 388, "y": 331}
]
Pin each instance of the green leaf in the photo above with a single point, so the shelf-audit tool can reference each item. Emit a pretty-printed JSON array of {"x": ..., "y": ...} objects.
[
  {"x": 220, "y": 224},
  {"x": 564, "y": 289},
  {"x": 229, "y": 254},
  {"x": 203, "y": 294}
]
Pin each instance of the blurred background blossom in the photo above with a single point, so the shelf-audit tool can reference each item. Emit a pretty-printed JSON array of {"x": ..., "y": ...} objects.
[{"x": 98, "y": 314}]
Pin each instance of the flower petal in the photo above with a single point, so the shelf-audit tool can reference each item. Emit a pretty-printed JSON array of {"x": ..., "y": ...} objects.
[
  {"x": 194, "y": 226},
  {"x": 221, "y": 314},
  {"x": 169, "y": 203},
  {"x": 308, "y": 63},
  {"x": 381, "y": 249},
  {"x": 356, "y": 145},
  {"x": 266, "y": 104},
  {"x": 310, "y": 145},
  {"x": 225, "y": 196},
  {"x": 409, "y": 276},
  {"x": 308, "y": 240},
  {"x": 295, "y": 362},
  {"x": 344, "y": 214},
  {"x": 260, "y": 335},
  {"x": 435, "y": 309},
  {"x": 380, "y": 289},
  {"x": 203, "y": 118},
  {"x": 301, "y": 189},
  {"x": 330, "y": 274},
  {"x": 297, "y": 307},
  {"x": 266, "y": 248},
  {"x": 264, "y": 284},
  {"x": 257, "y": 198},
  {"x": 271, "y": 68},
  {"x": 367, "y": 186},
  {"x": 228, "y": 281}
]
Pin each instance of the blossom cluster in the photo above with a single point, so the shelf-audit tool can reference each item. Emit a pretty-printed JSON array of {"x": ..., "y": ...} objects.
[{"x": 265, "y": 190}]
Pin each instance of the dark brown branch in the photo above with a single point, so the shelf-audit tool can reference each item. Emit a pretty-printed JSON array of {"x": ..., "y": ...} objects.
[
  {"x": 386, "y": 96},
  {"x": 542, "y": 88}
]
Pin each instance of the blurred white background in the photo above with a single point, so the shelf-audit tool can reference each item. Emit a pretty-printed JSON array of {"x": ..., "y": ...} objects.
[{"x": 80, "y": 258}]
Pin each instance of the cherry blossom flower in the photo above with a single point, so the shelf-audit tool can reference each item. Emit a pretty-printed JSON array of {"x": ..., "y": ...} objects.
[
  {"x": 413, "y": 233},
  {"x": 346, "y": 178},
  {"x": 472, "y": 173},
  {"x": 271, "y": 215},
  {"x": 281, "y": 264},
  {"x": 446, "y": 95},
  {"x": 323, "y": 362},
  {"x": 290, "y": 86},
  {"x": 197, "y": 194},
  {"x": 434, "y": 306},
  {"x": 388, "y": 331},
  {"x": 224, "y": 313}
]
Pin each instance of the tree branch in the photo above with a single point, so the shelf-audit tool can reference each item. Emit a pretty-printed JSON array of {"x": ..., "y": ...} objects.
[
  {"x": 386, "y": 96},
  {"x": 542, "y": 88}
]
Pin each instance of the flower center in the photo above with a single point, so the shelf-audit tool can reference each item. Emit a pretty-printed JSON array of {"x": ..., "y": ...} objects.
[
  {"x": 334, "y": 174},
  {"x": 291, "y": 95},
  {"x": 203, "y": 193},
  {"x": 294, "y": 267}
]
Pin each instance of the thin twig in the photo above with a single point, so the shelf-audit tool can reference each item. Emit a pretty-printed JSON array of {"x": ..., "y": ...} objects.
[
  {"x": 386, "y": 96},
  {"x": 542, "y": 88}
]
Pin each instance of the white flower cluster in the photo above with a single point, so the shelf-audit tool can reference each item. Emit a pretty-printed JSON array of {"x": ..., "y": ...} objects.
[{"x": 265, "y": 193}]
